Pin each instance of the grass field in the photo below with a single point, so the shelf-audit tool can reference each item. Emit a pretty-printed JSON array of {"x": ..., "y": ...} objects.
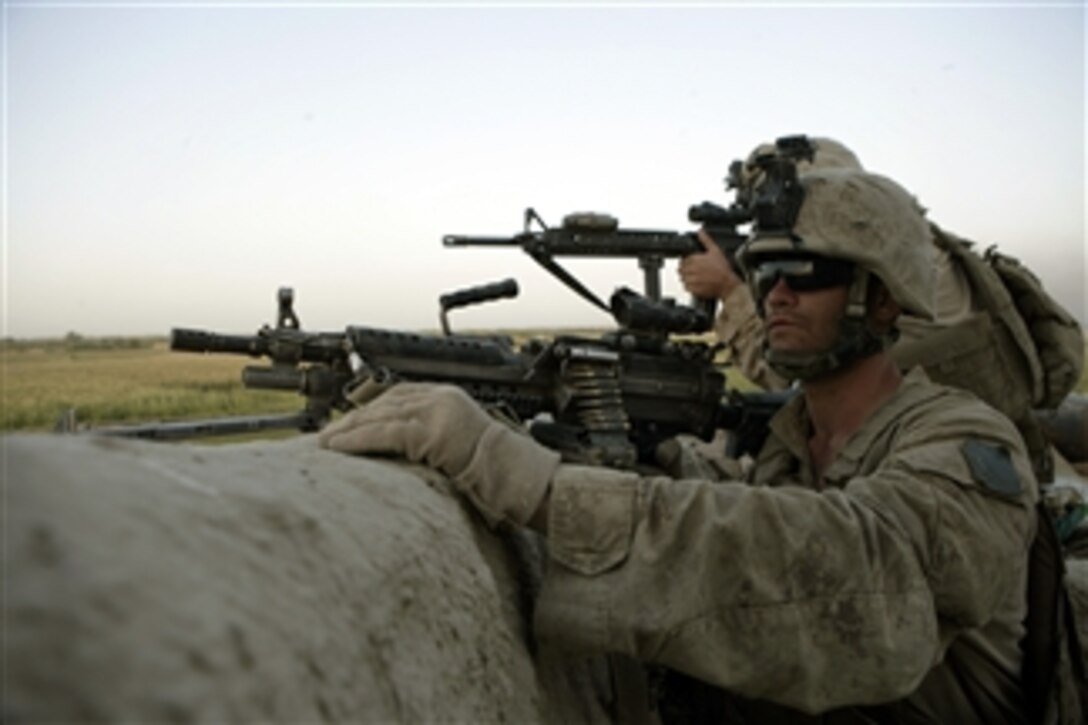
[
  {"x": 124, "y": 383},
  {"x": 126, "y": 380}
]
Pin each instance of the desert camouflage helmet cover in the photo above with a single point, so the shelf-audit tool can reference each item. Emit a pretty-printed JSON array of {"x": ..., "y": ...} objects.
[
  {"x": 827, "y": 154},
  {"x": 867, "y": 219},
  {"x": 830, "y": 154}
]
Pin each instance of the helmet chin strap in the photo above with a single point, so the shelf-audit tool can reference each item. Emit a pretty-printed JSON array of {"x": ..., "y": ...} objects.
[{"x": 856, "y": 340}]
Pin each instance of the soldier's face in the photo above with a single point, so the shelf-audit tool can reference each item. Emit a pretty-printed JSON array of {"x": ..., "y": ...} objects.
[{"x": 803, "y": 321}]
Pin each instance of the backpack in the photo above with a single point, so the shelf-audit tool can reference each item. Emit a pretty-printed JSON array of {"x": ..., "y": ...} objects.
[
  {"x": 1057, "y": 337},
  {"x": 1048, "y": 340},
  {"x": 1017, "y": 349}
]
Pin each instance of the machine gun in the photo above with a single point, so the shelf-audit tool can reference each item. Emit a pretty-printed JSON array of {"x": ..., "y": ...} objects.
[
  {"x": 587, "y": 234},
  {"x": 605, "y": 400}
]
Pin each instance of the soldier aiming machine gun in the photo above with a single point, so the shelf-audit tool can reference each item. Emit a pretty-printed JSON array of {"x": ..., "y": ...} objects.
[{"x": 606, "y": 401}]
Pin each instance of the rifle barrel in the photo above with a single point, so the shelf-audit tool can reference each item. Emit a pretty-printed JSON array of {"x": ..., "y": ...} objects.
[
  {"x": 621, "y": 243},
  {"x": 564, "y": 243},
  {"x": 465, "y": 240}
]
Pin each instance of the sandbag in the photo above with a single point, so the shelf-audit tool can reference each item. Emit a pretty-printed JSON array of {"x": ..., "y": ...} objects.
[{"x": 271, "y": 582}]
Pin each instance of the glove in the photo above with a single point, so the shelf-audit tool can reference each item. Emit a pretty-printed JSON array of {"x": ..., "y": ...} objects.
[
  {"x": 502, "y": 471},
  {"x": 685, "y": 456}
]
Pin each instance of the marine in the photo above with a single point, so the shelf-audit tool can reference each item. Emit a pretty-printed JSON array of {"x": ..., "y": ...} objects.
[{"x": 873, "y": 565}]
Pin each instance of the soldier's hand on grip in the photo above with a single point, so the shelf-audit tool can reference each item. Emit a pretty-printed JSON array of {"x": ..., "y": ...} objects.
[{"x": 708, "y": 275}]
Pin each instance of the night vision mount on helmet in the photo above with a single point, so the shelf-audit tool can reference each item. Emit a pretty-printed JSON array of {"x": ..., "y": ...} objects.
[{"x": 849, "y": 215}]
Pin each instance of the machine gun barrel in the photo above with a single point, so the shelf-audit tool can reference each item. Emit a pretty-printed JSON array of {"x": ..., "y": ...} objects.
[
  {"x": 188, "y": 340},
  {"x": 322, "y": 381}
]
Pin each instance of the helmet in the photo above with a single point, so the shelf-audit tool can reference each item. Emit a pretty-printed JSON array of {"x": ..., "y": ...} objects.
[
  {"x": 863, "y": 218},
  {"x": 830, "y": 154},
  {"x": 870, "y": 221},
  {"x": 827, "y": 154}
]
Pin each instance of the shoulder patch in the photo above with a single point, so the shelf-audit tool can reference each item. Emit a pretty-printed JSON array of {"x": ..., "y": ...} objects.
[{"x": 991, "y": 466}]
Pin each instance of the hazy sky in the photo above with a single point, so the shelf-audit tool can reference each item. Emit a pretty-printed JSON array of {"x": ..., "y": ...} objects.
[{"x": 173, "y": 164}]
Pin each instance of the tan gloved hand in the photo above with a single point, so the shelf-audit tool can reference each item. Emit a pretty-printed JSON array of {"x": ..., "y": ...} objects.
[
  {"x": 686, "y": 456},
  {"x": 504, "y": 472},
  {"x": 367, "y": 390}
]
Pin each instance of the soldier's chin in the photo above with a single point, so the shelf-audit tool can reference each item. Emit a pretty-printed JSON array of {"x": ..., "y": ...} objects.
[
  {"x": 778, "y": 338},
  {"x": 793, "y": 347}
]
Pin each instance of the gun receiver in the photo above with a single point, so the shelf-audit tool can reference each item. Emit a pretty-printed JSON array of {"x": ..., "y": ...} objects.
[
  {"x": 599, "y": 235},
  {"x": 605, "y": 401}
]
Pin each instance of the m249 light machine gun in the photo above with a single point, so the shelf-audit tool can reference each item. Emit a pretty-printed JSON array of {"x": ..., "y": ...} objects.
[{"x": 606, "y": 401}]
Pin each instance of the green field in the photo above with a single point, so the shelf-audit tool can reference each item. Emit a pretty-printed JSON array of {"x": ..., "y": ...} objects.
[
  {"x": 124, "y": 381},
  {"x": 127, "y": 380}
]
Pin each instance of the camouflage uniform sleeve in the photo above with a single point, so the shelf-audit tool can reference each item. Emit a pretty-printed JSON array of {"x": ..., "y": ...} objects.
[
  {"x": 738, "y": 326},
  {"x": 809, "y": 599}
]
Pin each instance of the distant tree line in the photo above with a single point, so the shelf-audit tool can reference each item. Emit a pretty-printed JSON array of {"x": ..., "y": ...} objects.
[{"x": 73, "y": 341}]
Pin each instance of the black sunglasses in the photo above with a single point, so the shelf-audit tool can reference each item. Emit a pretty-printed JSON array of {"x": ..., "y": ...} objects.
[{"x": 801, "y": 274}]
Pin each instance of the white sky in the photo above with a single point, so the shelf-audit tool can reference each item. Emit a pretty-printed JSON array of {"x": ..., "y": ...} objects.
[{"x": 174, "y": 164}]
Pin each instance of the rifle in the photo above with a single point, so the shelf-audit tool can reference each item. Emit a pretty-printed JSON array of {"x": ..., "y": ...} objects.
[
  {"x": 605, "y": 400},
  {"x": 588, "y": 234}
]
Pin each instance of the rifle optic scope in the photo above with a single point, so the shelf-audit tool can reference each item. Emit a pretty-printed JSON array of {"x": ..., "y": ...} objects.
[{"x": 636, "y": 312}]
